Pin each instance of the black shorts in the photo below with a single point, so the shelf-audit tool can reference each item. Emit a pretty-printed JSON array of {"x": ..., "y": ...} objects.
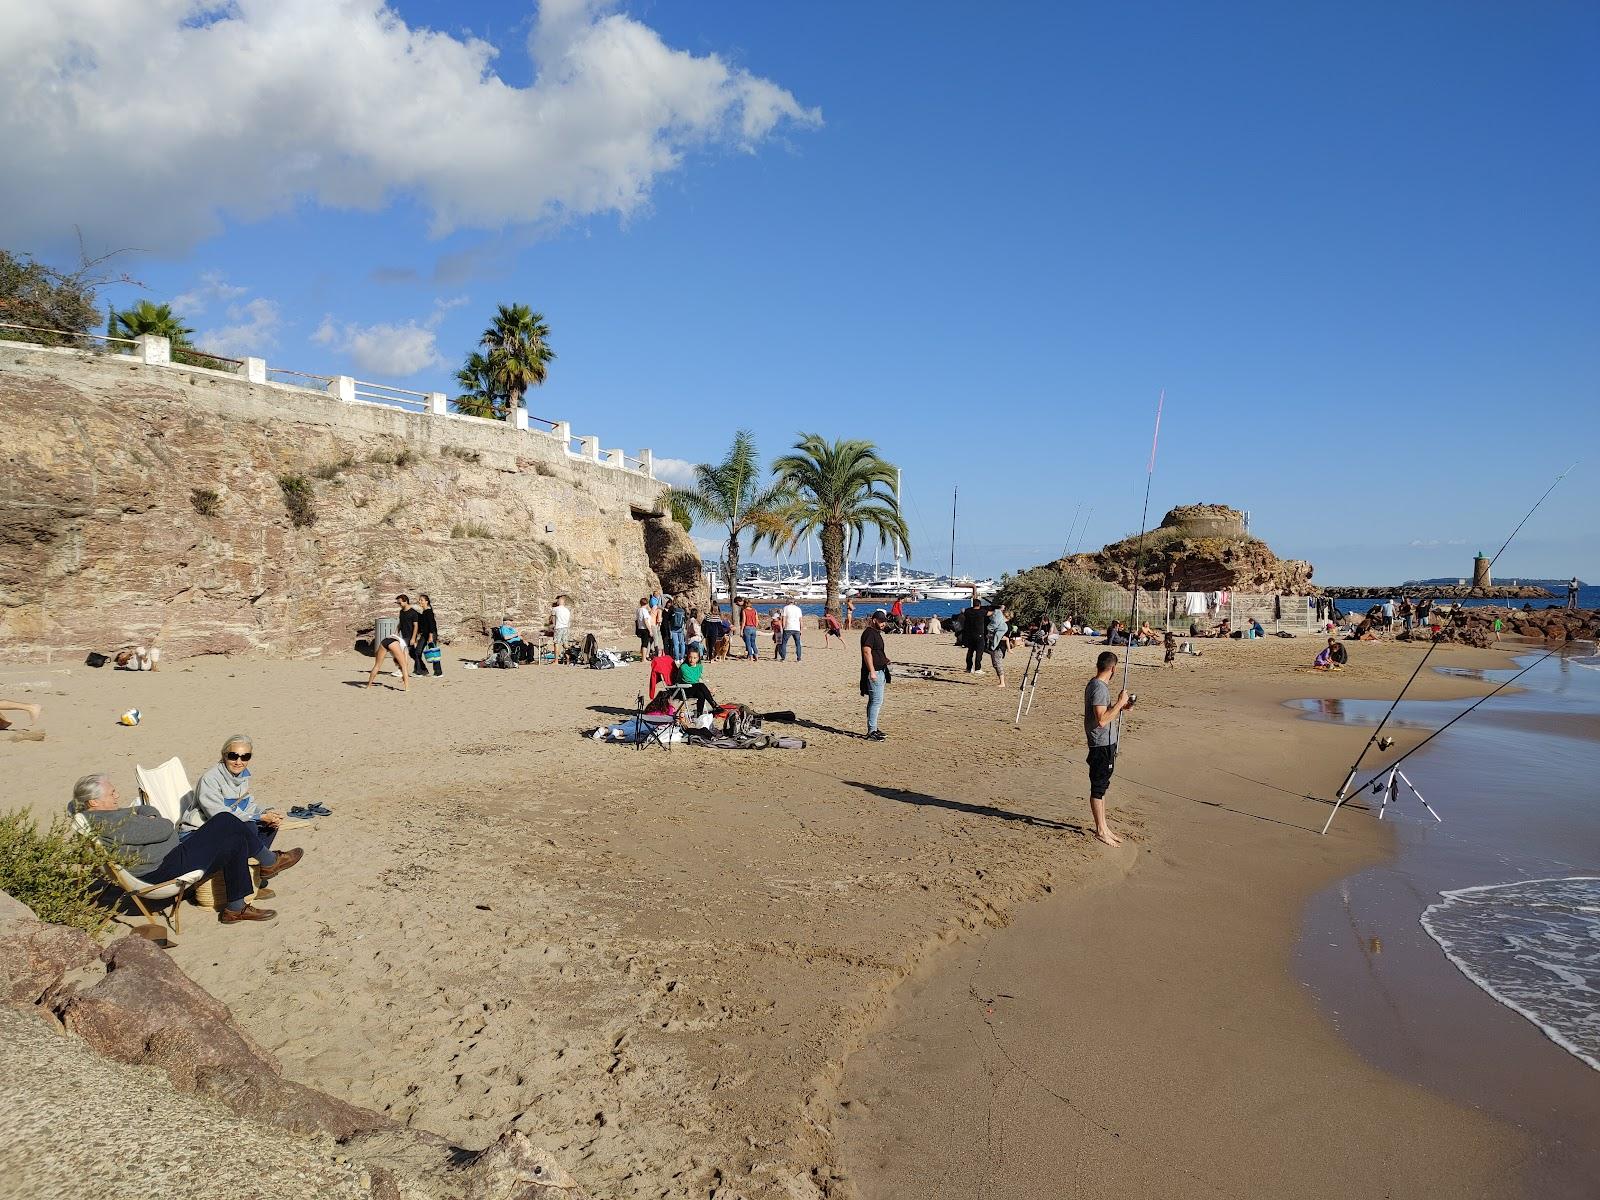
[{"x": 1102, "y": 761}]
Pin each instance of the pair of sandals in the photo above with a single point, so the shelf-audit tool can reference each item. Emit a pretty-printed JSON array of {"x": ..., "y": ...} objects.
[{"x": 309, "y": 812}]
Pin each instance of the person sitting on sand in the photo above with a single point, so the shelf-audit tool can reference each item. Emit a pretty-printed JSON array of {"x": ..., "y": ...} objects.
[
  {"x": 1255, "y": 628},
  {"x": 1340, "y": 654},
  {"x": 1222, "y": 630},
  {"x": 1117, "y": 635},
  {"x": 148, "y": 846},
  {"x": 228, "y": 788},
  {"x": 1324, "y": 659},
  {"x": 690, "y": 674},
  {"x": 1147, "y": 636}
]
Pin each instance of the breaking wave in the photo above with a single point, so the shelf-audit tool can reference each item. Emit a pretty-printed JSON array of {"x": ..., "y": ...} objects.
[{"x": 1534, "y": 946}]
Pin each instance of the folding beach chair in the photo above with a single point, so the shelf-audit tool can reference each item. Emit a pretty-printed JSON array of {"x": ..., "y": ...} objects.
[
  {"x": 656, "y": 726},
  {"x": 143, "y": 894},
  {"x": 167, "y": 789}
]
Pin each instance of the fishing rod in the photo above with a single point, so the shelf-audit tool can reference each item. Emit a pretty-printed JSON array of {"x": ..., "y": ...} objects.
[
  {"x": 1138, "y": 568},
  {"x": 1078, "y": 544},
  {"x": 1373, "y": 782},
  {"x": 1066, "y": 546},
  {"x": 1339, "y": 796}
]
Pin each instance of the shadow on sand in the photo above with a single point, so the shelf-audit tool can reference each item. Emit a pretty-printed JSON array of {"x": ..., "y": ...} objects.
[{"x": 976, "y": 810}]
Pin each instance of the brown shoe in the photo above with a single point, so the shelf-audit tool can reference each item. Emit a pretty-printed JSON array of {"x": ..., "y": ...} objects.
[
  {"x": 248, "y": 913},
  {"x": 286, "y": 859}
]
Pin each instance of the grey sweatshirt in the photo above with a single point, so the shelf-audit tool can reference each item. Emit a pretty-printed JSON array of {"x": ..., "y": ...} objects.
[
  {"x": 220, "y": 791},
  {"x": 139, "y": 837}
]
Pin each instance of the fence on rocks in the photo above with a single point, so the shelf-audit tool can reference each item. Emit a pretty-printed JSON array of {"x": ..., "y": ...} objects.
[{"x": 345, "y": 389}]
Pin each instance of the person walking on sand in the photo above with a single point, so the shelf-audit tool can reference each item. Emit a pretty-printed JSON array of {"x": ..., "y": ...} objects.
[
  {"x": 428, "y": 637},
  {"x": 749, "y": 622},
  {"x": 792, "y": 620},
  {"x": 875, "y": 674},
  {"x": 1101, "y": 725},
  {"x": 999, "y": 629},
  {"x": 410, "y": 630}
]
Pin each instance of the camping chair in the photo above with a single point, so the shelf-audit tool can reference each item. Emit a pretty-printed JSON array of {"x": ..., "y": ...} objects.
[
  {"x": 138, "y": 890},
  {"x": 656, "y": 726},
  {"x": 166, "y": 789}
]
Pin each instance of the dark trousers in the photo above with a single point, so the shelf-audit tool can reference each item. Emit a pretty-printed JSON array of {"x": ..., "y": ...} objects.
[
  {"x": 702, "y": 696},
  {"x": 222, "y": 844},
  {"x": 974, "y": 657},
  {"x": 418, "y": 667},
  {"x": 1102, "y": 761}
]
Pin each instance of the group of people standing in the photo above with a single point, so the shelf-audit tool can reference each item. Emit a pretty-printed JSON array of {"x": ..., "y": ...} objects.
[{"x": 986, "y": 632}]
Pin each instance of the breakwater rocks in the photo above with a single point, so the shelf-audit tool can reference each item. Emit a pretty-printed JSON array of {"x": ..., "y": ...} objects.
[
  {"x": 1554, "y": 625},
  {"x": 88, "y": 1007},
  {"x": 1437, "y": 592},
  {"x": 210, "y": 515}
]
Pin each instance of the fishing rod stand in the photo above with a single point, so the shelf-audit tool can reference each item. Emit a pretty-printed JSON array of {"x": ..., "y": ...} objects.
[
  {"x": 1038, "y": 652},
  {"x": 1390, "y": 787},
  {"x": 1387, "y": 786}
]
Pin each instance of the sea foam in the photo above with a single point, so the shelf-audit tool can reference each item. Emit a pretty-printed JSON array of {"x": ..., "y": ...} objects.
[{"x": 1533, "y": 945}]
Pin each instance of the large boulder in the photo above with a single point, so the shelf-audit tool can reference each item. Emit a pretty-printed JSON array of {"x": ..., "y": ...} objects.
[
  {"x": 36, "y": 956},
  {"x": 146, "y": 1011}
]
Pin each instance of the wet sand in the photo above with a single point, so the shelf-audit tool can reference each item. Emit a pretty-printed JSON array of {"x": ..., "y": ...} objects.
[{"x": 658, "y": 964}]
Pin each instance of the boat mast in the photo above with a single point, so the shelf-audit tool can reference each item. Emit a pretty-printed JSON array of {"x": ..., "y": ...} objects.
[{"x": 953, "y": 500}]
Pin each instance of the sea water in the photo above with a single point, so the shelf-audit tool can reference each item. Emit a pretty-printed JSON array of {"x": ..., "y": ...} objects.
[
  {"x": 1534, "y": 945},
  {"x": 1470, "y": 962}
]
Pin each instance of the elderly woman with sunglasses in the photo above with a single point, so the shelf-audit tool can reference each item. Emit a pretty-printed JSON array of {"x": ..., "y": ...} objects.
[{"x": 226, "y": 788}]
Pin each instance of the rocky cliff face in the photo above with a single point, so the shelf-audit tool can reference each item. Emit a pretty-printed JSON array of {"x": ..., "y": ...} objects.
[
  {"x": 213, "y": 516},
  {"x": 1201, "y": 548}
]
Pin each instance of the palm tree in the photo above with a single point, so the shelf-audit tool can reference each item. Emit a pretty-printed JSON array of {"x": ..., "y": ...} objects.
[
  {"x": 519, "y": 351},
  {"x": 478, "y": 397},
  {"x": 839, "y": 490},
  {"x": 157, "y": 320},
  {"x": 733, "y": 494}
]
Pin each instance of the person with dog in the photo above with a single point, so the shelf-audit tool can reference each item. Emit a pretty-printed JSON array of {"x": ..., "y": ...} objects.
[{"x": 1102, "y": 728}]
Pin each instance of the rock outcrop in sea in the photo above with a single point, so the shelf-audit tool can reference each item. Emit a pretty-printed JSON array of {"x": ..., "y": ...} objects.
[{"x": 1197, "y": 548}]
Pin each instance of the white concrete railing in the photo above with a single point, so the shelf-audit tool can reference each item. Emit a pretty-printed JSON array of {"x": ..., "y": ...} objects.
[{"x": 157, "y": 352}]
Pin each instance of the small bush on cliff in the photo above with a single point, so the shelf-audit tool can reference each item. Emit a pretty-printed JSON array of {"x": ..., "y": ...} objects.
[
  {"x": 206, "y": 502},
  {"x": 471, "y": 529},
  {"x": 55, "y": 872},
  {"x": 334, "y": 469},
  {"x": 1049, "y": 592},
  {"x": 299, "y": 499},
  {"x": 470, "y": 456}
]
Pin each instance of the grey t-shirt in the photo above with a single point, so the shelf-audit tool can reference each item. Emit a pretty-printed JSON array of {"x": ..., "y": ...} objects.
[{"x": 1098, "y": 693}]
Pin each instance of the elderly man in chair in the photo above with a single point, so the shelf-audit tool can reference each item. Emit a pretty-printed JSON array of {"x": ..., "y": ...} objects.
[{"x": 148, "y": 846}]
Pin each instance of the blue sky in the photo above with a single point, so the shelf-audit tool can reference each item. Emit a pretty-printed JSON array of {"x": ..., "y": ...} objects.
[{"x": 1355, "y": 244}]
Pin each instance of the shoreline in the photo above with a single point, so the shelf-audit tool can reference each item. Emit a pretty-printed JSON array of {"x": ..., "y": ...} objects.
[
  {"x": 1046, "y": 1030},
  {"x": 657, "y": 965}
]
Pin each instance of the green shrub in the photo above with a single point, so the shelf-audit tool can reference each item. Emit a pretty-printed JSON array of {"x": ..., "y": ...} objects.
[
  {"x": 206, "y": 502},
  {"x": 299, "y": 498},
  {"x": 56, "y": 873}
]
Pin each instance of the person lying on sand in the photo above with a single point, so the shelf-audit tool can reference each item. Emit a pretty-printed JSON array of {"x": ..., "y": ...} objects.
[
  {"x": 148, "y": 847},
  {"x": 33, "y": 711}
]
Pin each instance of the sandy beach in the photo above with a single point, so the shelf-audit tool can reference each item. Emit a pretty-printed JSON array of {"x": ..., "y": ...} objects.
[{"x": 779, "y": 973}]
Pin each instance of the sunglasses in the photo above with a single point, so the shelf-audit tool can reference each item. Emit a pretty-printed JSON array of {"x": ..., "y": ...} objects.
[{"x": 232, "y": 757}]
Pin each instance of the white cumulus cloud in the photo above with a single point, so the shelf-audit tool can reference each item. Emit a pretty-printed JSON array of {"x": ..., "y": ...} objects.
[
  {"x": 679, "y": 472},
  {"x": 146, "y": 123},
  {"x": 252, "y": 329},
  {"x": 213, "y": 288},
  {"x": 398, "y": 349}
]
